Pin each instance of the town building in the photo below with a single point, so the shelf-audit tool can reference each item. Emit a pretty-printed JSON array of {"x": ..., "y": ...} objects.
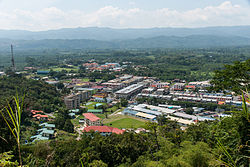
[
  {"x": 129, "y": 91},
  {"x": 200, "y": 84},
  {"x": 178, "y": 86},
  {"x": 2, "y": 73},
  {"x": 72, "y": 101},
  {"x": 103, "y": 130},
  {"x": 160, "y": 85},
  {"x": 91, "y": 119}
]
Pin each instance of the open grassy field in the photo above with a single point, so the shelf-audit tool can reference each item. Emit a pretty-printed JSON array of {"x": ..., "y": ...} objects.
[
  {"x": 126, "y": 123},
  {"x": 123, "y": 121},
  {"x": 74, "y": 68}
]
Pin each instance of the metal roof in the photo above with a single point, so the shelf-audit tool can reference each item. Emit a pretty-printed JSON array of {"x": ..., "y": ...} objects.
[
  {"x": 145, "y": 115},
  {"x": 129, "y": 89}
]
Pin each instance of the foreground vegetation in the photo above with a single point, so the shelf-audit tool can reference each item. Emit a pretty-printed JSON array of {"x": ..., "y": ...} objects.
[{"x": 204, "y": 144}]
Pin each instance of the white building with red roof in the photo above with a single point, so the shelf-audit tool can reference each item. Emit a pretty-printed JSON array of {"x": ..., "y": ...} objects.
[
  {"x": 103, "y": 130},
  {"x": 91, "y": 120}
]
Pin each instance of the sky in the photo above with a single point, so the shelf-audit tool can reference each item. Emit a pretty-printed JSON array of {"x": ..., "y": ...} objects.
[{"x": 39, "y": 15}]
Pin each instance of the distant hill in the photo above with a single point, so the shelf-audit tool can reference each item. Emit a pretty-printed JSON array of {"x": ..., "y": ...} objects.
[
  {"x": 108, "y": 34},
  {"x": 192, "y": 41}
]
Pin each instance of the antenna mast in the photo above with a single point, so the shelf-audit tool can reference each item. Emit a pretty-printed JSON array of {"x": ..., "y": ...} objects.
[{"x": 12, "y": 59}]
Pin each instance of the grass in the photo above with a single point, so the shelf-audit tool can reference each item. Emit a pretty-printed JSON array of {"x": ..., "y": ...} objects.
[
  {"x": 75, "y": 68},
  {"x": 102, "y": 116},
  {"x": 75, "y": 121},
  {"x": 151, "y": 57},
  {"x": 112, "y": 109},
  {"x": 126, "y": 123},
  {"x": 92, "y": 105},
  {"x": 62, "y": 135},
  {"x": 85, "y": 80}
]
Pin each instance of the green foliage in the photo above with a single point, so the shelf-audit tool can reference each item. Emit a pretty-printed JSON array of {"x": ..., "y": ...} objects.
[
  {"x": 234, "y": 77},
  {"x": 38, "y": 94},
  {"x": 97, "y": 163},
  {"x": 124, "y": 102},
  {"x": 68, "y": 126},
  {"x": 12, "y": 116},
  {"x": 5, "y": 160}
]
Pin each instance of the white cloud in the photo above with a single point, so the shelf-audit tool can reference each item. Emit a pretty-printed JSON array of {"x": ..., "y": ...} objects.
[{"x": 226, "y": 14}]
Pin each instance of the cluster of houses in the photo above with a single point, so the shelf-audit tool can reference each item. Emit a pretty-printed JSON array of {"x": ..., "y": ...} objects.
[
  {"x": 39, "y": 115},
  {"x": 46, "y": 130},
  {"x": 93, "y": 66}
]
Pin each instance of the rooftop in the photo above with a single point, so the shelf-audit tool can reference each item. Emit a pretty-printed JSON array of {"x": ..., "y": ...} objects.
[
  {"x": 144, "y": 115},
  {"x": 91, "y": 117},
  {"x": 104, "y": 129},
  {"x": 95, "y": 110},
  {"x": 129, "y": 89},
  {"x": 48, "y": 125}
]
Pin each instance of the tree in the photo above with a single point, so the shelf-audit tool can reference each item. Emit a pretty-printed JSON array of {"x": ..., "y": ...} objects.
[
  {"x": 97, "y": 163},
  {"x": 60, "y": 121},
  {"x": 124, "y": 102},
  {"x": 68, "y": 126},
  {"x": 189, "y": 110},
  {"x": 234, "y": 77}
]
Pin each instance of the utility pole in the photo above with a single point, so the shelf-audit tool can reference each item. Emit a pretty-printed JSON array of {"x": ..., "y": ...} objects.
[{"x": 12, "y": 59}]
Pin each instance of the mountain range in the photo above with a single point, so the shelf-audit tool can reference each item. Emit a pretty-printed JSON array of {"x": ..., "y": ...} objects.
[{"x": 103, "y": 38}]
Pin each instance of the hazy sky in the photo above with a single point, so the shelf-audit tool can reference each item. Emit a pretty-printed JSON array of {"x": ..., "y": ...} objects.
[{"x": 53, "y": 14}]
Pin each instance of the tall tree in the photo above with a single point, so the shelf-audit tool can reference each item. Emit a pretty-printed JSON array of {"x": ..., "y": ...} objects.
[{"x": 234, "y": 77}]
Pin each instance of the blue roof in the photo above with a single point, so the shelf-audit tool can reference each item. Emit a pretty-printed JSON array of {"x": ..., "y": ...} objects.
[
  {"x": 39, "y": 137},
  {"x": 72, "y": 114},
  {"x": 99, "y": 98},
  {"x": 208, "y": 118},
  {"x": 75, "y": 110},
  {"x": 132, "y": 112},
  {"x": 45, "y": 130},
  {"x": 99, "y": 104},
  {"x": 46, "y": 125}
]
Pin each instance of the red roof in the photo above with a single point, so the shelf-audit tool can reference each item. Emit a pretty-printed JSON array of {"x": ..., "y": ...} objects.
[
  {"x": 104, "y": 129},
  {"x": 190, "y": 86},
  {"x": 35, "y": 111},
  {"x": 91, "y": 117},
  {"x": 38, "y": 116}
]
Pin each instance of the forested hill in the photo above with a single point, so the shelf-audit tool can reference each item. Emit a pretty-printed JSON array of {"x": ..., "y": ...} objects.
[
  {"x": 194, "y": 41},
  {"x": 38, "y": 94},
  {"x": 108, "y": 34}
]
